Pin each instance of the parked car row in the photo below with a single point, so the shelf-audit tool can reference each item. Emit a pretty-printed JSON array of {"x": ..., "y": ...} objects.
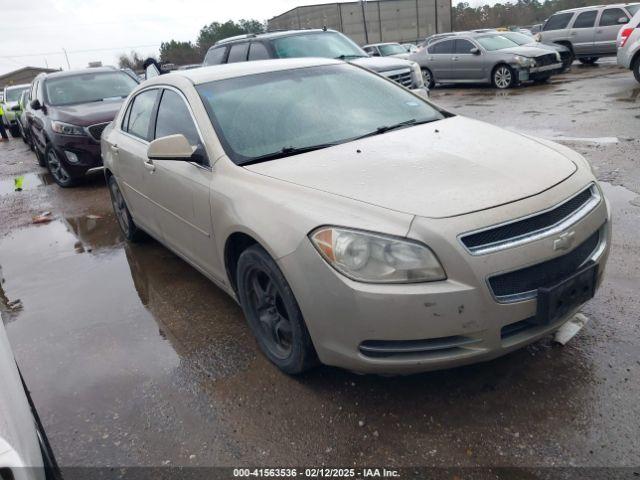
[{"x": 503, "y": 59}]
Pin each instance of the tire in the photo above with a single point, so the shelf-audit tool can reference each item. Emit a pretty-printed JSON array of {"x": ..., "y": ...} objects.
[
  {"x": 39, "y": 156},
  {"x": 427, "y": 76},
  {"x": 57, "y": 169},
  {"x": 15, "y": 131},
  {"x": 503, "y": 77},
  {"x": 127, "y": 226},
  {"x": 588, "y": 60},
  {"x": 636, "y": 68},
  {"x": 273, "y": 313}
]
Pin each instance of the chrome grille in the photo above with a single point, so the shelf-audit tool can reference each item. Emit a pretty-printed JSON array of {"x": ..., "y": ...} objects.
[
  {"x": 548, "y": 59},
  {"x": 403, "y": 76},
  {"x": 95, "y": 131},
  {"x": 533, "y": 227}
]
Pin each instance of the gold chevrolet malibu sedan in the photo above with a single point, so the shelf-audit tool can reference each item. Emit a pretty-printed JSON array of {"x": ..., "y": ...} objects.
[{"x": 356, "y": 223}]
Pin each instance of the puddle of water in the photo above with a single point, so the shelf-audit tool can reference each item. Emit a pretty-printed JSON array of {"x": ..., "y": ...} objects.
[{"x": 28, "y": 181}]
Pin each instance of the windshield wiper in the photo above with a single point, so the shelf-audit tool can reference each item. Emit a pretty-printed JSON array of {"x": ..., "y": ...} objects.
[
  {"x": 287, "y": 152},
  {"x": 395, "y": 126}
]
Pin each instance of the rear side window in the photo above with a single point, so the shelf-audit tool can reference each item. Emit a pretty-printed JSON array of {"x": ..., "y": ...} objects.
[
  {"x": 464, "y": 46},
  {"x": 215, "y": 56},
  {"x": 613, "y": 16},
  {"x": 257, "y": 51},
  {"x": 139, "y": 118},
  {"x": 238, "y": 53},
  {"x": 446, "y": 46},
  {"x": 586, "y": 19},
  {"x": 174, "y": 117},
  {"x": 557, "y": 21}
]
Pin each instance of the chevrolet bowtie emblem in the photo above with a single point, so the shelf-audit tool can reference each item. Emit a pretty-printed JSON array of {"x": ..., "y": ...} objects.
[{"x": 564, "y": 241}]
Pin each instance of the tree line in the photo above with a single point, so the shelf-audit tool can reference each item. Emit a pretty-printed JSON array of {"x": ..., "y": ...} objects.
[{"x": 464, "y": 17}]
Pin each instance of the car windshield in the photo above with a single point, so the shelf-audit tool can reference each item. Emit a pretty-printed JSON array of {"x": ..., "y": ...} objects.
[
  {"x": 495, "y": 42},
  {"x": 88, "y": 87},
  {"x": 519, "y": 38},
  {"x": 391, "y": 49},
  {"x": 320, "y": 44},
  {"x": 278, "y": 113},
  {"x": 13, "y": 94}
]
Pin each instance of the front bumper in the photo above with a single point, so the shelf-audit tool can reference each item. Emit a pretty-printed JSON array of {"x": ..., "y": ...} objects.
[
  {"x": 534, "y": 73},
  {"x": 457, "y": 320},
  {"x": 86, "y": 149}
]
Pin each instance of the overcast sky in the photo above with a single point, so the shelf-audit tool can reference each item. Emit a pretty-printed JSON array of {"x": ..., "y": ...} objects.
[{"x": 34, "y": 32}]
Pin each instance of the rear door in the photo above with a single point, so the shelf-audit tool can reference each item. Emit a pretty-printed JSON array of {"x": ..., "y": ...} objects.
[
  {"x": 583, "y": 31},
  {"x": 609, "y": 24},
  {"x": 238, "y": 52},
  {"x": 130, "y": 149},
  {"x": 180, "y": 190},
  {"x": 466, "y": 65},
  {"x": 439, "y": 59}
]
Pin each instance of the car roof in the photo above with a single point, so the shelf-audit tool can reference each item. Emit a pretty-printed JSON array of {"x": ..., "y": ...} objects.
[
  {"x": 71, "y": 73},
  {"x": 241, "y": 69},
  {"x": 593, "y": 7},
  {"x": 269, "y": 35}
]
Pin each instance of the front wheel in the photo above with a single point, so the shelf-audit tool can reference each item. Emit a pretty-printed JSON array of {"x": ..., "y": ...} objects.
[
  {"x": 504, "y": 77},
  {"x": 272, "y": 312},
  {"x": 127, "y": 226},
  {"x": 57, "y": 168},
  {"x": 427, "y": 76},
  {"x": 588, "y": 60}
]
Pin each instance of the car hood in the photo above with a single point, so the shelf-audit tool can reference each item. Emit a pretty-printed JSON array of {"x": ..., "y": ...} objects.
[
  {"x": 437, "y": 170},
  {"x": 381, "y": 64},
  {"x": 547, "y": 46},
  {"x": 525, "y": 51},
  {"x": 85, "y": 114}
]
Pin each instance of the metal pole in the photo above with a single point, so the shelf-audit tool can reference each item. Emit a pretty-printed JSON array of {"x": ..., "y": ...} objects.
[
  {"x": 67, "y": 57},
  {"x": 364, "y": 22}
]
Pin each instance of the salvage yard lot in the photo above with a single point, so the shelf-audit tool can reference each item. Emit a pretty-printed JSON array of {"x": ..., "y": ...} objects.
[{"x": 134, "y": 358}]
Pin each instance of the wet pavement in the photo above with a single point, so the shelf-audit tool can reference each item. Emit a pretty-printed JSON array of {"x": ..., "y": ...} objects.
[{"x": 134, "y": 358}]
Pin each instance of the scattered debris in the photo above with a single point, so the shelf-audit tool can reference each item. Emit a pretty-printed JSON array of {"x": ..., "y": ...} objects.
[
  {"x": 17, "y": 183},
  {"x": 44, "y": 217},
  {"x": 567, "y": 331}
]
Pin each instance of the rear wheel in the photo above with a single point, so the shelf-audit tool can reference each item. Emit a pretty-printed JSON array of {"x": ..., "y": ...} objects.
[
  {"x": 427, "y": 76},
  {"x": 503, "y": 77},
  {"x": 273, "y": 313},
  {"x": 128, "y": 227},
  {"x": 588, "y": 60},
  {"x": 15, "y": 131},
  {"x": 57, "y": 168},
  {"x": 636, "y": 68}
]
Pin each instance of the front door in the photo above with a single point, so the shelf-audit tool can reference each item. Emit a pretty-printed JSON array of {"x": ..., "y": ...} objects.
[
  {"x": 466, "y": 65},
  {"x": 609, "y": 24},
  {"x": 180, "y": 189}
]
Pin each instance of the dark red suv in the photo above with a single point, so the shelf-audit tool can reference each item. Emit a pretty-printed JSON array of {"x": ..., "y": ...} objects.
[{"x": 66, "y": 114}]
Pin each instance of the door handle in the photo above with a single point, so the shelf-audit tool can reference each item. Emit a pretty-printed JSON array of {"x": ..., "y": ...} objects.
[
  {"x": 598, "y": 31},
  {"x": 114, "y": 148},
  {"x": 455, "y": 59},
  {"x": 149, "y": 166},
  {"x": 573, "y": 34}
]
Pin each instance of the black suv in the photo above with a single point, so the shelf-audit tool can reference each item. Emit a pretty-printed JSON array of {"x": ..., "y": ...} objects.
[{"x": 312, "y": 43}]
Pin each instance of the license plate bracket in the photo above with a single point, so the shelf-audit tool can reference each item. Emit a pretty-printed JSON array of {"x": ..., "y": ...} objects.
[{"x": 557, "y": 300}]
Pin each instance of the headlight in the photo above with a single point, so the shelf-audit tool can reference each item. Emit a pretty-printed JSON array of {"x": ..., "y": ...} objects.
[
  {"x": 66, "y": 128},
  {"x": 417, "y": 75},
  {"x": 376, "y": 258},
  {"x": 524, "y": 61},
  {"x": 558, "y": 57}
]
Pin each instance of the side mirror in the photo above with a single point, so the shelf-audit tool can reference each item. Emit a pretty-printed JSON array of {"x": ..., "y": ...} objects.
[
  {"x": 475, "y": 51},
  {"x": 172, "y": 147},
  {"x": 623, "y": 20},
  {"x": 35, "y": 104}
]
